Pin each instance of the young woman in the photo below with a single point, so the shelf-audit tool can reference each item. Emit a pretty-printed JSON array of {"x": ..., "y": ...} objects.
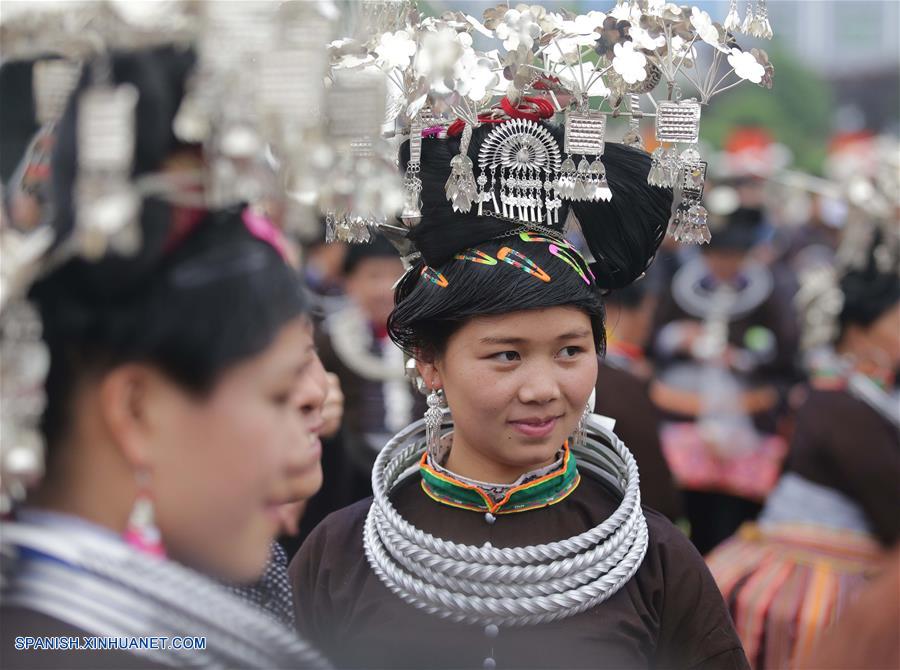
[
  {"x": 833, "y": 512},
  {"x": 183, "y": 402},
  {"x": 503, "y": 537}
]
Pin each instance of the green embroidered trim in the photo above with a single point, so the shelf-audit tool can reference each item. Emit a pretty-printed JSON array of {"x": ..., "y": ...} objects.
[{"x": 544, "y": 491}]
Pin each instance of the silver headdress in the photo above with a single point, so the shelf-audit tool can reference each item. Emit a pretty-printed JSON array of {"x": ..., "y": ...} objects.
[
  {"x": 870, "y": 238},
  {"x": 255, "y": 103},
  {"x": 586, "y": 68}
]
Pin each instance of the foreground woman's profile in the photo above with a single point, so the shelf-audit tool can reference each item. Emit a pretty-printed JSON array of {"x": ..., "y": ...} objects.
[{"x": 183, "y": 400}]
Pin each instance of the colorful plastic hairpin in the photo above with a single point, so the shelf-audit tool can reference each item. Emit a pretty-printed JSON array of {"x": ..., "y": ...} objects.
[
  {"x": 526, "y": 236},
  {"x": 434, "y": 277},
  {"x": 524, "y": 263},
  {"x": 566, "y": 257},
  {"x": 476, "y": 256},
  {"x": 564, "y": 250}
]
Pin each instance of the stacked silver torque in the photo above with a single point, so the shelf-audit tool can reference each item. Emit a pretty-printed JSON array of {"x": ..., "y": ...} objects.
[{"x": 517, "y": 586}]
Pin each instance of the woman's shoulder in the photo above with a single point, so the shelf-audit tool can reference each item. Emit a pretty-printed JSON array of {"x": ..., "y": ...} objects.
[{"x": 341, "y": 523}]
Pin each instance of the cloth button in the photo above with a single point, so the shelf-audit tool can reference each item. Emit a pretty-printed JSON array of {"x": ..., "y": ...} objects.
[
  {"x": 489, "y": 663},
  {"x": 490, "y": 518}
]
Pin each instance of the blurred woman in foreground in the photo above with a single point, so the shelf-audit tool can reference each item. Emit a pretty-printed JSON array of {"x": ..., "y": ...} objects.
[{"x": 184, "y": 402}]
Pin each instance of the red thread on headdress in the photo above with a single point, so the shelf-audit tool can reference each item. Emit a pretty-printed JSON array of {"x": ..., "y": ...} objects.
[{"x": 544, "y": 110}]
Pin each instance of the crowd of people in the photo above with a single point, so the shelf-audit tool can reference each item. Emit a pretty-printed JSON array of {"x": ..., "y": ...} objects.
[{"x": 524, "y": 429}]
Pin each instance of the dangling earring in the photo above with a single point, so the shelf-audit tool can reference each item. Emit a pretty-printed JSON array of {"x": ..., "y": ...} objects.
[
  {"x": 579, "y": 437},
  {"x": 434, "y": 417},
  {"x": 141, "y": 531}
]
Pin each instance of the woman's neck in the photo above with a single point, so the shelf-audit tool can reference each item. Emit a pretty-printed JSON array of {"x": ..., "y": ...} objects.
[
  {"x": 94, "y": 493},
  {"x": 465, "y": 461}
]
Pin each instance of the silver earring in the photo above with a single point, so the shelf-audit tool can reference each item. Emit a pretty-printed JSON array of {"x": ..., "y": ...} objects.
[
  {"x": 579, "y": 438},
  {"x": 434, "y": 417}
]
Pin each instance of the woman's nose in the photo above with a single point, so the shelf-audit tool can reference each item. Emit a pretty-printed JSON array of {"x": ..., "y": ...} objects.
[{"x": 540, "y": 386}]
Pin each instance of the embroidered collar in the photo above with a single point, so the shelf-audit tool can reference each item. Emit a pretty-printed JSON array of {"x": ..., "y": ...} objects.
[{"x": 538, "y": 488}]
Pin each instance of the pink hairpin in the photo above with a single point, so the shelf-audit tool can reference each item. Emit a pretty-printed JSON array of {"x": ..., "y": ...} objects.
[
  {"x": 263, "y": 229},
  {"x": 564, "y": 256}
]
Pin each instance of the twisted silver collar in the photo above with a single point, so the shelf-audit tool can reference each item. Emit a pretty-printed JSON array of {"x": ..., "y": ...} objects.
[{"x": 516, "y": 586}]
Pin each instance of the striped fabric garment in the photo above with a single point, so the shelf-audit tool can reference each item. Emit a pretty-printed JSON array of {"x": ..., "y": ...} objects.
[{"x": 786, "y": 583}]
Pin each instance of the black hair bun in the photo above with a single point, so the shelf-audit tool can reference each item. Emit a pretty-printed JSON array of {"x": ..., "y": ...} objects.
[
  {"x": 622, "y": 234},
  {"x": 625, "y": 232}
]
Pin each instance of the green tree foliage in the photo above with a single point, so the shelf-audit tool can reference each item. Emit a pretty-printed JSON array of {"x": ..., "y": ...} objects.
[{"x": 797, "y": 111}]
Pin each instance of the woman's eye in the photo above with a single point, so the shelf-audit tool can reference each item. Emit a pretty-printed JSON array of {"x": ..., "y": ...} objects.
[
  {"x": 506, "y": 356},
  {"x": 569, "y": 352}
]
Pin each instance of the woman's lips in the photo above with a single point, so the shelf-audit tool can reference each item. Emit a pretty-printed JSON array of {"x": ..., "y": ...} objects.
[{"x": 535, "y": 428}]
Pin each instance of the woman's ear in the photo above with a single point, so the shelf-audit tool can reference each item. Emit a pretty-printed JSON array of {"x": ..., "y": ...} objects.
[
  {"x": 430, "y": 374},
  {"x": 131, "y": 407}
]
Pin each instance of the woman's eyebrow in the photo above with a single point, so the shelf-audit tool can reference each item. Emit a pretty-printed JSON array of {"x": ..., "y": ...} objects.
[
  {"x": 503, "y": 340},
  {"x": 570, "y": 335},
  {"x": 574, "y": 334}
]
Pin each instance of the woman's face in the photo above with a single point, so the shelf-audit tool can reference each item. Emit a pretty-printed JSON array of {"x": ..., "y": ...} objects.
[
  {"x": 517, "y": 385},
  {"x": 224, "y": 463}
]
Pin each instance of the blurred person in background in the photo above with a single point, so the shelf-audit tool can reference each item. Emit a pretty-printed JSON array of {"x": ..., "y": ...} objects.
[
  {"x": 379, "y": 398},
  {"x": 183, "y": 405},
  {"x": 833, "y": 512},
  {"x": 724, "y": 345},
  {"x": 322, "y": 272},
  {"x": 626, "y": 370},
  {"x": 865, "y": 633}
]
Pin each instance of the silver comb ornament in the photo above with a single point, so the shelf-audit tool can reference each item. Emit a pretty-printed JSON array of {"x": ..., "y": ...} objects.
[
  {"x": 689, "y": 222},
  {"x": 678, "y": 121},
  {"x": 362, "y": 188},
  {"x": 522, "y": 159},
  {"x": 412, "y": 183},
  {"x": 52, "y": 83},
  {"x": 585, "y": 135},
  {"x": 291, "y": 102},
  {"x": 107, "y": 205},
  {"x": 461, "y": 188},
  {"x": 633, "y": 137}
]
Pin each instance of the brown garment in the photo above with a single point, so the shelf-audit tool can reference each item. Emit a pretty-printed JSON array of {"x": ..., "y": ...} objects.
[
  {"x": 669, "y": 615},
  {"x": 623, "y": 396},
  {"x": 842, "y": 443}
]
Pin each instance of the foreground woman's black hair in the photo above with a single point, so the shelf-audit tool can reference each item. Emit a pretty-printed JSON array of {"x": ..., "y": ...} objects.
[
  {"x": 191, "y": 303},
  {"x": 622, "y": 234}
]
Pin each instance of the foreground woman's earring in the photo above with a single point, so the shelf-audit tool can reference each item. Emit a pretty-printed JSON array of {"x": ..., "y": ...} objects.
[
  {"x": 579, "y": 439},
  {"x": 434, "y": 417},
  {"x": 141, "y": 531}
]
